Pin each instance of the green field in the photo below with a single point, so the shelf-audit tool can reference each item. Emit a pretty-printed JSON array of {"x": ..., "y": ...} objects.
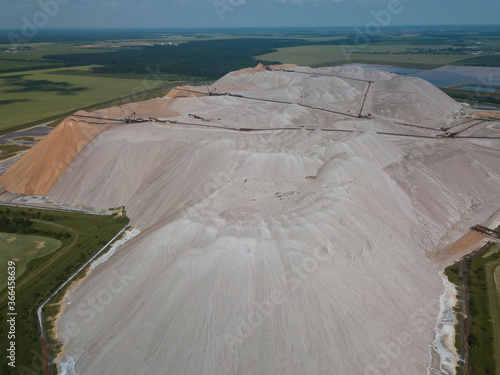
[
  {"x": 27, "y": 139},
  {"x": 488, "y": 60},
  {"x": 35, "y": 95},
  {"x": 23, "y": 249},
  {"x": 38, "y": 50},
  {"x": 81, "y": 236},
  {"x": 7, "y": 151},
  {"x": 32, "y": 57},
  {"x": 329, "y": 55}
]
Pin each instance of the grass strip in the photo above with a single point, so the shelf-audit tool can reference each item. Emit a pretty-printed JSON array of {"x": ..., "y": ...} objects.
[{"x": 483, "y": 309}]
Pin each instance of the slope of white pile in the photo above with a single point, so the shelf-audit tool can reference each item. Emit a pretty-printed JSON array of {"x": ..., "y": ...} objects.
[
  {"x": 329, "y": 88},
  {"x": 284, "y": 252},
  {"x": 402, "y": 99},
  {"x": 242, "y": 225},
  {"x": 413, "y": 100}
]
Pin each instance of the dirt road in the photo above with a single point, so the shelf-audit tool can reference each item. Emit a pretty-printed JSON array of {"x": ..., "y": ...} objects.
[{"x": 458, "y": 249}]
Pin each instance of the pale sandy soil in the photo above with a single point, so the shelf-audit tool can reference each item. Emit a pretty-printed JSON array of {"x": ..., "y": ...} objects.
[
  {"x": 457, "y": 250},
  {"x": 187, "y": 92},
  {"x": 244, "y": 265},
  {"x": 495, "y": 114}
]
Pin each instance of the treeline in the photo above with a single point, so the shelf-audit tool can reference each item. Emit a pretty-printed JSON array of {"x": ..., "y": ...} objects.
[
  {"x": 472, "y": 96},
  {"x": 209, "y": 59},
  {"x": 22, "y": 224},
  {"x": 485, "y": 60},
  {"x": 481, "y": 336}
]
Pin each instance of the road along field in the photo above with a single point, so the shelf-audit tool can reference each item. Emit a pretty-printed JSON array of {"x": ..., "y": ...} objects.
[{"x": 286, "y": 214}]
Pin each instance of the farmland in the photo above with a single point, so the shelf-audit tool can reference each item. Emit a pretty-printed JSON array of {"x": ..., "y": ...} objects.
[
  {"x": 328, "y": 55},
  {"x": 419, "y": 56}
]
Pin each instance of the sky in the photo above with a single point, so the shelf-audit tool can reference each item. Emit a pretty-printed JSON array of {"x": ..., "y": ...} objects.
[{"x": 16, "y": 14}]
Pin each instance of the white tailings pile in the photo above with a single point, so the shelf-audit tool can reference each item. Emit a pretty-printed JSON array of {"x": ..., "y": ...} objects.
[
  {"x": 275, "y": 252},
  {"x": 66, "y": 364}
]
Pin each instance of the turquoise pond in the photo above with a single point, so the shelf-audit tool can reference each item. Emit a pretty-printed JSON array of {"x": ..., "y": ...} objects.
[
  {"x": 480, "y": 77},
  {"x": 472, "y": 77}
]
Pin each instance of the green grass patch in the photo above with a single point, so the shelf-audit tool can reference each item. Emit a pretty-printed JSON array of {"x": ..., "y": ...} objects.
[
  {"x": 453, "y": 274},
  {"x": 480, "y": 338},
  {"x": 33, "y": 96},
  {"x": 7, "y": 151},
  {"x": 483, "y": 308},
  {"x": 31, "y": 56},
  {"x": 87, "y": 235},
  {"x": 55, "y": 123},
  {"x": 87, "y": 72},
  {"x": 23, "y": 249},
  {"x": 27, "y": 139},
  {"x": 7, "y": 65},
  {"x": 487, "y": 60}
]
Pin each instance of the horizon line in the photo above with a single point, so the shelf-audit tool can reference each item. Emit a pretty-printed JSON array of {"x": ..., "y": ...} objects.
[{"x": 253, "y": 27}]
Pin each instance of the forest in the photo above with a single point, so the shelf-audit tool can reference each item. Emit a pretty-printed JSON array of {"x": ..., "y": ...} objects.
[{"x": 209, "y": 59}]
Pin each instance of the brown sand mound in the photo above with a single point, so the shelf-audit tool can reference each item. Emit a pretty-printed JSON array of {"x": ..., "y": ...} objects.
[
  {"x": 157, "y": 107},
  {"x": 187, "y": 92},
  {"x": 284, "y": 66},
  {"x": 42, "y": 166},
  {"x": 463, "y": 246},
  {"x": 259, "y": 67},
  {"x": 256, "y": 68}
]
